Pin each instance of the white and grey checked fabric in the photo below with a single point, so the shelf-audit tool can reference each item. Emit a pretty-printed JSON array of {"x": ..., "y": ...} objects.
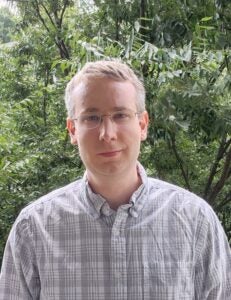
[{"x": 166, "y": 244}]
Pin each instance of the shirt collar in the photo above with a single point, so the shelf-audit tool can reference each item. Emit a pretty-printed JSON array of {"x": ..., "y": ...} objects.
[{"x": 98, "y": 206}]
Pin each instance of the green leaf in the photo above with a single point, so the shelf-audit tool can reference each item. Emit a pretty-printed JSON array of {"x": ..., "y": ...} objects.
[
  {"x": 206, "y": 19},
  {"x": 137, "y": 26}
]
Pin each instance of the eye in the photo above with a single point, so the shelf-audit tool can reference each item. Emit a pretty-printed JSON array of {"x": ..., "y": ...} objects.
[
  {"x": 121, "y": 116},
  {"x": 90, "y": 118}
]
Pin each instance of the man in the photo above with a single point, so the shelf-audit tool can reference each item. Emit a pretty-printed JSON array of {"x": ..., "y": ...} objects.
[{"x": 115, "y": 233}]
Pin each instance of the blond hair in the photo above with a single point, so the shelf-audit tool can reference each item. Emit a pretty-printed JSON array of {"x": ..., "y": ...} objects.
[{"x": 115, "y": 70}]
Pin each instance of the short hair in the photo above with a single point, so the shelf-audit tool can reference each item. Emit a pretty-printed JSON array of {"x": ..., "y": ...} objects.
[{"x": 115, "y": 70}]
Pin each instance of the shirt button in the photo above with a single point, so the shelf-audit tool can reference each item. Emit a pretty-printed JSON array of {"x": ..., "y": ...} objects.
[{"x": 117, "y": 233}]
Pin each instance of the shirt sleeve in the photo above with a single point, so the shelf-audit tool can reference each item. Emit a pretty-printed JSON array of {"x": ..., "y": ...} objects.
[
  {"x": 19, "y": 278},
  {"x": 213, "y": 259}
]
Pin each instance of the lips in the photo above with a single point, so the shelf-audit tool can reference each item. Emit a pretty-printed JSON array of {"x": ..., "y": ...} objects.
[{"x": 110, "y": 153}]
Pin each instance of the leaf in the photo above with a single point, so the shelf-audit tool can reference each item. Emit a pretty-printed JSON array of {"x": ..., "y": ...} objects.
[
  {"x": 6, "y": 165},
  {"x": 26, "y": 102},
  {"x": 183, "y": 124},
  {"x": 177, "y": 73},
  {"x": 137, "y": 26},
  {"x": 206, "y": 19},
  {"x": 207, "y": 27}
]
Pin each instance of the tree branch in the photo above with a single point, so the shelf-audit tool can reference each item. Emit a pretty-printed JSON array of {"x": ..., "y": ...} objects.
[
  {"x": 36, "y": 7},
  {"x": 49, "y": 16},
  {"x": 179, "y": 160},
  {"x": 64, "y": 53},
  {"x": 62, "y": 12},
  {"x": 225, "y": 201},
  {"x": 224, "y": 176},
  {"x": 213, "y": 170}
]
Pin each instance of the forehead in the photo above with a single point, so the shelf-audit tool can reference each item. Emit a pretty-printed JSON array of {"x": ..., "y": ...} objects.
[{"x": 104, "y": 94}]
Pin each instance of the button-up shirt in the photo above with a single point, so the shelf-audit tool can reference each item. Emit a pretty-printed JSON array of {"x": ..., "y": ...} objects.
[{"x": 165, "y": 244}]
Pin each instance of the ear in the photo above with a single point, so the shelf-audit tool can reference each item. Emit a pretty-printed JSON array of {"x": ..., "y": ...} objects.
[
  {"x": 144, "y": 121},
  {"x": 72, "y": 131}
]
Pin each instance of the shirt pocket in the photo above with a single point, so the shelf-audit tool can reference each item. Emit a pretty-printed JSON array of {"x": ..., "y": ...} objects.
[{"x": 168, "y": 280}]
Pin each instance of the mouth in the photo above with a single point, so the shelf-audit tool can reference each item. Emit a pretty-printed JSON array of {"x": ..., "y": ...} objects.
[{"x": 109, "y": 153}]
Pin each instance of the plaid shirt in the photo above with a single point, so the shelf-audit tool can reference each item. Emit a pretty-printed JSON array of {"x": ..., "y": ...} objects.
[{"x": 165, "y": 244}]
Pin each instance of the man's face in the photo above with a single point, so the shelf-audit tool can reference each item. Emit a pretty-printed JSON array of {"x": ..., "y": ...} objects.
[{"x": 110, "y": 149}]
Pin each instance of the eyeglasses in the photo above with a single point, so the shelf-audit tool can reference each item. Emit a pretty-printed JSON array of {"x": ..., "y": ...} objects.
[{"x": 95, "y": 119}]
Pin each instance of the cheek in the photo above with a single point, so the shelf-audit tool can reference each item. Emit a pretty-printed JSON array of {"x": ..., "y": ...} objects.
[
  {"x": 134, "y": 133},
  {"x": 86, "y": 141}
]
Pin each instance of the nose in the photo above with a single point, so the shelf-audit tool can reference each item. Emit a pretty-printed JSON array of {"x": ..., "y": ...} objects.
[{"x": 107, "y": 130}]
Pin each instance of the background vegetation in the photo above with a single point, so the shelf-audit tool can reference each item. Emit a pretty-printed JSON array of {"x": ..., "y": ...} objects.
[{"x": 180, "y": 48}]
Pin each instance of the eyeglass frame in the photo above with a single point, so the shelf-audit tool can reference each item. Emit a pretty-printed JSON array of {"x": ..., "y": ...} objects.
[{"x": 101, "y": 116}]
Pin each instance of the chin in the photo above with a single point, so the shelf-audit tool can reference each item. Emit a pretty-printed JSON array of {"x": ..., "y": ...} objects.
[{"x": 111, "y": 170}]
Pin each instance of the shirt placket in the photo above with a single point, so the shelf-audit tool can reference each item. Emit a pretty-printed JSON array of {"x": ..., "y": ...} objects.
[{"x": 118, "y": 256}]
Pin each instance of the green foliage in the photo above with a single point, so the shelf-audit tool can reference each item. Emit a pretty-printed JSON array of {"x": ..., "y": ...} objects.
[{"x": 7, "y": 25}]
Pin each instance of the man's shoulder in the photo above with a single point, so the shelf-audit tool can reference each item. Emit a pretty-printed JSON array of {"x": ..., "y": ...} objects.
[
  {"x": 55, "y": 200},
  {"x": 176, "y": 196},
  {"x": 179, "y": 204},
  {"x": 164, "y": 185}
]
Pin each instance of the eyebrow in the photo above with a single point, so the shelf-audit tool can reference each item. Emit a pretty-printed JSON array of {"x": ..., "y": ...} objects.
[
  {"x": 94, "y": 109},
  {"x": 90, "y": 109}
]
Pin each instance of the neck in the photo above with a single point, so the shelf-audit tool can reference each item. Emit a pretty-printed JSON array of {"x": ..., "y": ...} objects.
[{"x": 116, "y": 190}]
